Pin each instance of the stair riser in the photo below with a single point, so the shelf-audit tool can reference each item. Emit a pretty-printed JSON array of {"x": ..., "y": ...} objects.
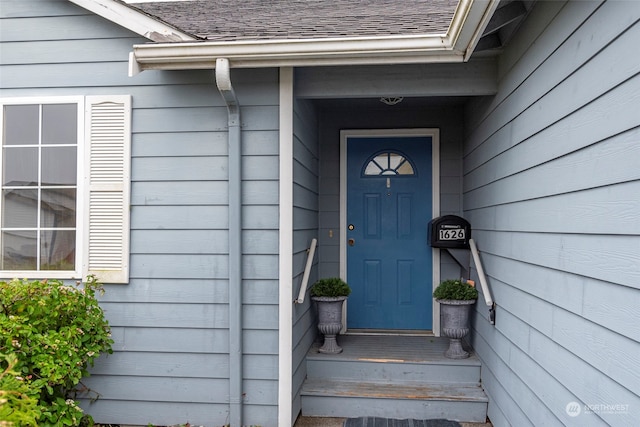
[
  {"x": 393, "y": 372},
  {"x": 326, "y": 406}
]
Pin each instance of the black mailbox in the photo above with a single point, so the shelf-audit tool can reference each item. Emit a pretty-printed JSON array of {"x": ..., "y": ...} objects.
[{"x": 449, "y": 232}]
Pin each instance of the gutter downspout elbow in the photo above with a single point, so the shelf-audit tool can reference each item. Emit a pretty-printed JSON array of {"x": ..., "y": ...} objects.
[{"x": 223, "y": 81}]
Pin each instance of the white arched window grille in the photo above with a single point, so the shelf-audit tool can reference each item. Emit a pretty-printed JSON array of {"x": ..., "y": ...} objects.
[{"x": 389, "y": 163}]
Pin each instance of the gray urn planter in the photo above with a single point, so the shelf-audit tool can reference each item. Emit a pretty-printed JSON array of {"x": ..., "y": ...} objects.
[
  {"x": 329, "y": 322},
  {"x": 455, "y": 325}
]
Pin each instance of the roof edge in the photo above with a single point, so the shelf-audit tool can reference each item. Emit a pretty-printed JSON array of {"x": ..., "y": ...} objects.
[
  {"x": 175, "y": 49},
  {"x": 469, "y": 22},
  {"x": 135, "y": 20},
  {"x": 298, "y": 52}
]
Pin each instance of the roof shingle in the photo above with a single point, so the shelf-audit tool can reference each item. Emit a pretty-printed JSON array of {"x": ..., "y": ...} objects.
[{"x": 235, "y": 20}]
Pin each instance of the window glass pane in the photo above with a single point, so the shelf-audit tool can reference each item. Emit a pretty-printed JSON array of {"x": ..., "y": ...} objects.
[
  {"x": 21, "y": 124},
  {"x": 394, "y": 160},
  {"x": 19, "y": 250},
  {"x": 59, "y": 124},
  {"x": 383, "y": 160},
  {"x": 59, "y": 166},
  {"x": 38, "y": 217},
  {"x": 372, "y": 169},
  {"x": 58, "y": 208},
  {"x": 20, "y": 166},
  {"x": 405, "y": 169},
  {"x": 19, "y": 208},
  {"x": 57, "y": 250}
]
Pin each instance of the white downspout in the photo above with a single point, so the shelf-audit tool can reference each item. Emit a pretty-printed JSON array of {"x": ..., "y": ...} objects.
[{"x": 223, "y": 81}]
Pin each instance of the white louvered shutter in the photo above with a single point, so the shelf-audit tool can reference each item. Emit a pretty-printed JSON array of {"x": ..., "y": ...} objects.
[{"x": 108, "y": 158}]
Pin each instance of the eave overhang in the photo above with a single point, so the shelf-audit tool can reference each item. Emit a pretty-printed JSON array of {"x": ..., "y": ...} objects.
[
  {"x": 184, "y": 51},
  {"x": 280, "y": 53},
  {"x": 135, "y": 20}
]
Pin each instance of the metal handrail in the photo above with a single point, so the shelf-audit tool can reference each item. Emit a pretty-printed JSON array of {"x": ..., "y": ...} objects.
[
  {"x": 307, "y": 271},
  {"x": 488, "y": 299}
]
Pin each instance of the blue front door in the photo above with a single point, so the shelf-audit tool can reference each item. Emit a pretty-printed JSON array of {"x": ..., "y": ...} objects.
[{"x": 389, "y": 202}]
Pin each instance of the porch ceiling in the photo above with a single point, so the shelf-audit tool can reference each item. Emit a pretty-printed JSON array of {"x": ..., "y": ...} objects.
[{"x": 376, "y": 104}]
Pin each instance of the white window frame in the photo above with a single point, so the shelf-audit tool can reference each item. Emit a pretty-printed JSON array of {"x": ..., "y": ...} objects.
[
  {"x": 76, "y": 273},
  {"x": 104, "y": 123}
]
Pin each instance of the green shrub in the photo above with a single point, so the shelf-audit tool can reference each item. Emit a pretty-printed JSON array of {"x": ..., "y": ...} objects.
[
  {"x": 455, "y": 290},
  {"x": 18, "y": 406},
  {"x": 330, "y": 287},
  {"x": 55, "y": 333}
]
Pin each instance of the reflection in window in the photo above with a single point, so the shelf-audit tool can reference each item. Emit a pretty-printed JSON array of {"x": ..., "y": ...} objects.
[
  {"x": 389, "y": 163},
  {"x": 39, "y": 187}
]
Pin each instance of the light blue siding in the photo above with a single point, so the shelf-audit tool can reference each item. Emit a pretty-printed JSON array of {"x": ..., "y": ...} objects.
[
  {"x": 170, "y": 323},
  {"x": 305, "y": 228},
  {"x": 547, "y": 171},
  {"x": 551, "y": 184}
]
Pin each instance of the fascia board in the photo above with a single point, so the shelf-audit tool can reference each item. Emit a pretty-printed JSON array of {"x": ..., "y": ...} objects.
[
  {"x": 456, "y": 45},
  {"x": 135, "y": 21},
  {"x": 278, "y": 53},
  {"x": 136, "y": 68},
  {"x": 468, "y": 24}
]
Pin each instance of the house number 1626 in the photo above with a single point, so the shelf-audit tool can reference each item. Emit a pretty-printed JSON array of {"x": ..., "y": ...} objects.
[{"x": 456, "y": 234}]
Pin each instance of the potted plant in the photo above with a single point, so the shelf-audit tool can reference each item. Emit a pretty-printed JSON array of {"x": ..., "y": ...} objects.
[
  {"x": 329, "y": 294},
  {"x": 456, "y": 298}
]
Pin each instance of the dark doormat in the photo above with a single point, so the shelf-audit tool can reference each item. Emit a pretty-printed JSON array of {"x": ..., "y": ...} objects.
[{"x": 387, "y": 422}]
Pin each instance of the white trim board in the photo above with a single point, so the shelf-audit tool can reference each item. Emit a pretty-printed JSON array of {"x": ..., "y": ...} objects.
[
  {"x": 434, "y": 133},
  {"x": 456, "y": 45},
  {"x": 285, "y": 262}
]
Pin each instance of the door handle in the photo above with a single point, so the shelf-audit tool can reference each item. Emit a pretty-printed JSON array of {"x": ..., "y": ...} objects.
[{"x": 351, "y": 242}]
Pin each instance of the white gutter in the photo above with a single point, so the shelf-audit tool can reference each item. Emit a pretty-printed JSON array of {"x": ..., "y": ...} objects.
[
  {"x": 467, "y": 25},
  {"x": 283, "y": 53},
  {"x": 479, "y": 30}
]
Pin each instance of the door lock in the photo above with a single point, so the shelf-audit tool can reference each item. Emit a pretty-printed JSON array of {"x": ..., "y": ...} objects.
[{"x": 351, "y": 242}]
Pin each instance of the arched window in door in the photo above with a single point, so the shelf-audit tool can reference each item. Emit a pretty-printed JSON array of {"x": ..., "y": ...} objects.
[{"x": 388, "y": 163}]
